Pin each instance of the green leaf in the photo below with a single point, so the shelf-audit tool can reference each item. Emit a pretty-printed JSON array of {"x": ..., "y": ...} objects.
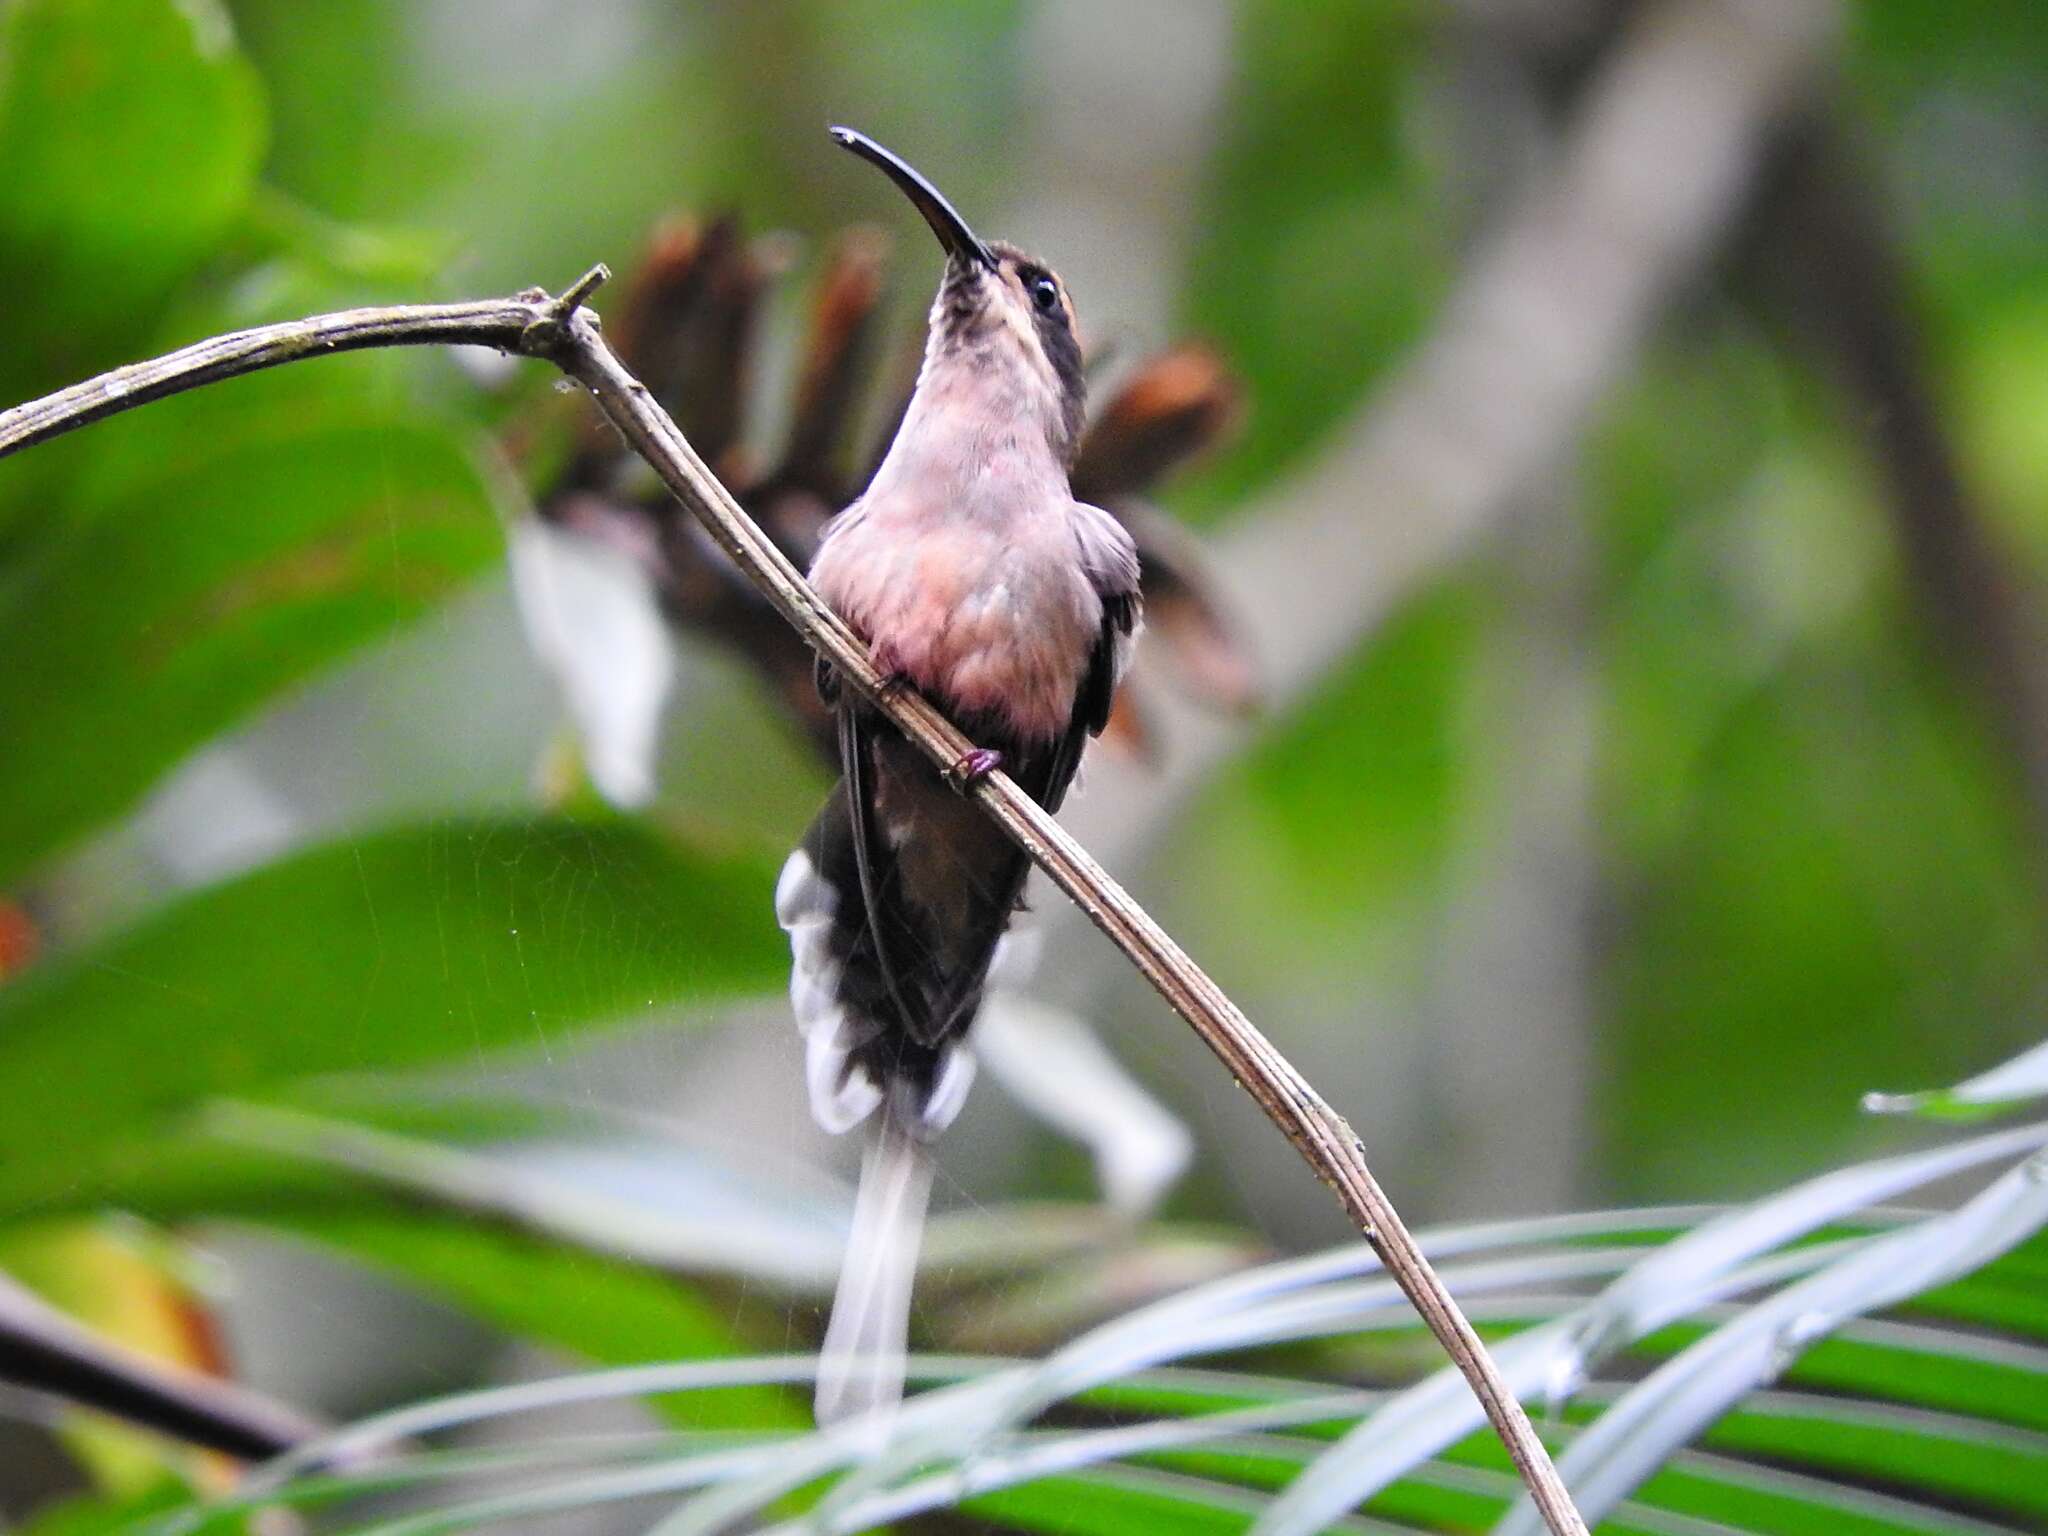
[
  {"x": 1271, "y": 1464},
  {"x": 131, "y": 131},
  {"x": 101, "y": 1514},
  {"x": 1959, "y": 1459},
  {"x": 1779, "y": 1461},
  {"x": 2013, "y": 1299},
  {"x": 606, "y": 1311},
  {"x": 255, "y": 554},
  {"x": 2002, "y": 1386},
  {"x": 1113, "y": 1502},
  {"x": 1822, "y": 1438},
  {"x": 381, "y": 951},
  {"x": 2012, "y": 1083},
  {"x": 1685, "y": 1275},
  {"x": 1752, "y": 1503},
  {"x": 1943, "y": 1372}
]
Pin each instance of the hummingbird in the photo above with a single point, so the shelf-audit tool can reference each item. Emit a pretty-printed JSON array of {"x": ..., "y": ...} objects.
[{"x": 974, "y": 576}]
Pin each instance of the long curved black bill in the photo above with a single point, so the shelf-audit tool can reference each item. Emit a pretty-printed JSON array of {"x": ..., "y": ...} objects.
[{"x": 960, "y": 242}]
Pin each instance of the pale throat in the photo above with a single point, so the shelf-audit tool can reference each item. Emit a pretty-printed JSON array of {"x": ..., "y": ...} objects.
[{"x": 982, "y": 409}]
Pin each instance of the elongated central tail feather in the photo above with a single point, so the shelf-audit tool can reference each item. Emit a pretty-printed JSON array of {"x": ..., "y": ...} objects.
[
  {"x": 860, "y": 1368},
  {"x": 860, "y": 1371}
]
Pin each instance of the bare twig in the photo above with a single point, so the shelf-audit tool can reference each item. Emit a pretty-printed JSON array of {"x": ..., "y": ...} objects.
[
  {"x": 563, "y": 333},
  {"x": 497, "y": 323},
  {"x": 45, "y": 1351}
]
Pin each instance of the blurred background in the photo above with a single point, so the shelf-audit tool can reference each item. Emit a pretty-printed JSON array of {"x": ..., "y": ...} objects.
[{"x": 1593, "y": 464}]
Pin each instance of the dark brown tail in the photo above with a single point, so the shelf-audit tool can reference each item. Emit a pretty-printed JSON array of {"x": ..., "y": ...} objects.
[{"x": 883, "y": 1003}]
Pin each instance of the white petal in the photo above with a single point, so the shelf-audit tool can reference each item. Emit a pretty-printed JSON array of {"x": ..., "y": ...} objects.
[
  {"x": 592, "y": 619},
  {"x": 1015, "y": 960},
  {"x": 1056, "y": 1066}
]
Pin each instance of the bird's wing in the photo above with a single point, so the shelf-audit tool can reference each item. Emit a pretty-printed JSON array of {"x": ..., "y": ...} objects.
[
  {"x": 843, "y": 521},
  {"x": 1110, "y": 560},
  {"x": 856, "y": 762}
]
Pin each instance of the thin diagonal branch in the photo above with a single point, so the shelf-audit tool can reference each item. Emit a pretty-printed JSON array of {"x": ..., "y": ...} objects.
[
  {"x": 563, "y": 333},
  {"x": 45, "y": 1351}
]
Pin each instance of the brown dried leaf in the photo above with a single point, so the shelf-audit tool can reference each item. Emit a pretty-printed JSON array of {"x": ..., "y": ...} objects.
[
  {"x": 1129, "y": 731},
  {"x": 1185, "y": 620},
  {"x": 1176, "y": 405},
  {"x": 689, "y": 329},
  {"x": 836, "y": 355}
]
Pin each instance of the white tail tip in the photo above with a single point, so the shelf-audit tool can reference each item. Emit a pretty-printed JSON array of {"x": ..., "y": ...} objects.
[{"x": 860, "y": 1367}]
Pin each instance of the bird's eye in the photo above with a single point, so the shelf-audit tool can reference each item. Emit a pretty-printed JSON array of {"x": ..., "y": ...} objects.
[{"x": 1045, "y": 293}]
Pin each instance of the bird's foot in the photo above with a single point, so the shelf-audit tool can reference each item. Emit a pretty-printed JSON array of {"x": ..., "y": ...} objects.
[{"x": 972, "y": 767}]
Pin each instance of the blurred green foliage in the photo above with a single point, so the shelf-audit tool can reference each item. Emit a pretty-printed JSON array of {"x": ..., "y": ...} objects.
[
  {"x": 126, "y": 166},
  {"x": 1324, "y": 240},
  {"x": 1816, "y": 865},
  {"x": 195, "y": 596},
  {"x": 598, "y": 1309},
  {"x": 1815, "y": 870},
  {"x": 383, "y": 951},
  {"x": 1826, "y": 861}
]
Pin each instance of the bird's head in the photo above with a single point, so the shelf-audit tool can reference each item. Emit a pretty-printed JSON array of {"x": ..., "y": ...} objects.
[{"x": 1001, "y": 317}]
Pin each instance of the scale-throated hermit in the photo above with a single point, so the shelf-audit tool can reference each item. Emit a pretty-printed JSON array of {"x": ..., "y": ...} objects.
[{"x": 975, "y": 577}]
